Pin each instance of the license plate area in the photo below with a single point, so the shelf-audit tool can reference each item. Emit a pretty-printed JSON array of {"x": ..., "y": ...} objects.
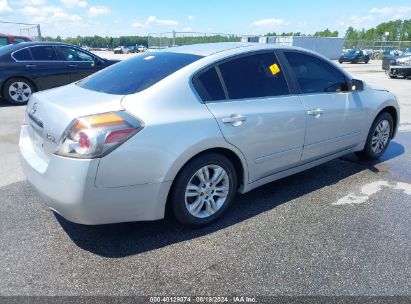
[
  {"x": 36, "y": 133},
  {"x": 37, "y": 140}
]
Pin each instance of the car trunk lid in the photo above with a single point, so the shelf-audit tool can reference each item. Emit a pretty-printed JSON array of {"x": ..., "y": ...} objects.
[{"x": 50, "y": 112}]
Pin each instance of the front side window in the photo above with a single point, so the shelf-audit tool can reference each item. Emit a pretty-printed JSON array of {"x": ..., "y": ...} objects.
[
  {"x": 72, "y": 54},
  {"x": 138, "y": 73},
  {"x": 253, "y": 76},
  {"x": 43, "y": 53},
  {"x": 22, "y": 55},
  {"x": 208, "y": 86},
  {"x": 315, "y": 75}
]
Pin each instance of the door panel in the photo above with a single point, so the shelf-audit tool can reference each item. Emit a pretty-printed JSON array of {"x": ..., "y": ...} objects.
[
  {"x": 334, "y": 116},
  {"x": 47, "y": 75},
  {"x": 337, "y": 128},
  {"x": 268, "y": 131},
  {"x": 80, "y": 70},
  {"x": 45, "y": 68}
]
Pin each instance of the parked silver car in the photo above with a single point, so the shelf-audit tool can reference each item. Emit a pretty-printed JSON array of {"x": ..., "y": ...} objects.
[{"x": 190, "y": 126}]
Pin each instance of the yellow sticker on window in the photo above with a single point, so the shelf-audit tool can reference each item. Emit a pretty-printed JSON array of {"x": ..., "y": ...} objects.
[{"x": 275, "y": 69}]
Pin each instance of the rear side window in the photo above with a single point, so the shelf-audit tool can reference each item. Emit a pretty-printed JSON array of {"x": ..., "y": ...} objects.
[
  {"x": 18, "y": 40},
  {"x": 43, "y": 53},
  {"x": 315, "y": 75},
  {"x": 208, "y": 86},
  {"x": 138, "y": 73},
  {"x": 22, "y": 55},
  {"x": 253, "y": 76}
]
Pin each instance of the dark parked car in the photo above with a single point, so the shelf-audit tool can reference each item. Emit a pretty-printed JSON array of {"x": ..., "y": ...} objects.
[
  {"x": 401, "y": 67},
  {"x": 132, "y": 49},
  {"x": 354, "y": 56},
  {"x": 11, "y": 39},
  {"x": 390, "y": 58},
  {"x": 34, "y": 66}
]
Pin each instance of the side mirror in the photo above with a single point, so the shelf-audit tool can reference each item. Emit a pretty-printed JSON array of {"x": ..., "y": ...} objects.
[
  {"x": 97, "y": 61},
  {"x": 356, "y": 85}
]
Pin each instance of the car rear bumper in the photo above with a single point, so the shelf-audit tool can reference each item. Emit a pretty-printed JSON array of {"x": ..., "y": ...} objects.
[{"x": 68, "y": 187}]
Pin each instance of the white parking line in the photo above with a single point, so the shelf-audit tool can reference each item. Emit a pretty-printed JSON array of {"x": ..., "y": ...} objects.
[{"x": 370, "y": 189}]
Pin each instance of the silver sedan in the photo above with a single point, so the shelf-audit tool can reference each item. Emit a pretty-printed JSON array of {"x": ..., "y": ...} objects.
[{"x": 190, "y": 126}]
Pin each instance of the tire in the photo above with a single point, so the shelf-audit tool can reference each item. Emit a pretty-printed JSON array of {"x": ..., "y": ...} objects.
[
  {"x": 17, "y": 91},
  {"x": 340, "y": 62},
  {"x": 206, "y": 207},
  {"x": 379, "y": 134},
  {"x": 367, "y": 60}
]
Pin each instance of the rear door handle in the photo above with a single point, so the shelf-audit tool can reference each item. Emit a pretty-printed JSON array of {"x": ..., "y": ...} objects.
[
  {"x": 315, "y": 112},
  {"x": 73, "y": 65},
  {"x": 31, "y": 65},
  {"x": 235, "y": 119}
]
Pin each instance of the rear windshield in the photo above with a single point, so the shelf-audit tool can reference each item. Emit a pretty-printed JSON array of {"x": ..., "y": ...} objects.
[{"x": 138, "y": 73}]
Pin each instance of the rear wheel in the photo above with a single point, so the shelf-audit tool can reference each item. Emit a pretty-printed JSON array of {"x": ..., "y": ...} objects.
[
  {"x": 17, "y": 91},
  {"x": 379, "y": 137},
  {"x": 204, "y": 189}
]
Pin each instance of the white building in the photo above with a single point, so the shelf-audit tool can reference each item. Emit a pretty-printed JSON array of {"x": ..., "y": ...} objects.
[{"x": 329, "y": 47}]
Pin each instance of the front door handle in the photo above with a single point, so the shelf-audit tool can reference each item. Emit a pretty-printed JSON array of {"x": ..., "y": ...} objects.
[
  {"x": 234, "y": 119},
  {"x": 31, "y": 65},
  {"x": 73, "y": 65},
  {"x": 315, "y": 112}
]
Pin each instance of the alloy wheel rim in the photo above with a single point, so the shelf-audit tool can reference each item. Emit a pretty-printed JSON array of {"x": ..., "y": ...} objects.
[
  {"x": 20, "y": 91},
  {"x": 381, "y": 136},
  {"x": 207, "y": 191}
]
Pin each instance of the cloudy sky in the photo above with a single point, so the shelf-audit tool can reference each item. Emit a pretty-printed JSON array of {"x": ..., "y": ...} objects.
[{"x": 134, "y": 17}]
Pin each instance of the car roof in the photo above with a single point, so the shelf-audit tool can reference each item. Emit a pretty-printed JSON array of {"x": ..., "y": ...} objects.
[
  {"x": 14, "y": 47},
  {"x": 13, "y": 36},
  {"x": 33, "y": 43},
  {"x": 208, "y": 49}
]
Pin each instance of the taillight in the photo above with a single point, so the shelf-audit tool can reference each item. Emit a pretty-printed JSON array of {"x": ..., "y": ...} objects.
[{"x": 97, "y": 135}]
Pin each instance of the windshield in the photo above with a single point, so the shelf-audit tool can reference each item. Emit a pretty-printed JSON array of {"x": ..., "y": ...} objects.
[
  {"x": 351, "y": 52},
  {"x": 138, "y": 73}
]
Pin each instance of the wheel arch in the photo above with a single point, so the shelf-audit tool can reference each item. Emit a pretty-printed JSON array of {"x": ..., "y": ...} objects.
[
  {"x": 394, "y": 114},
  {"x": 32, "y": 82},
  {"x": 236, "y": 157}
]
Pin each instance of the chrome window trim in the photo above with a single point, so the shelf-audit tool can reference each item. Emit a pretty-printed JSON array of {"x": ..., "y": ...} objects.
[
  {"x": 233, "y": 57},
  {"x": 53, "y": 45}
]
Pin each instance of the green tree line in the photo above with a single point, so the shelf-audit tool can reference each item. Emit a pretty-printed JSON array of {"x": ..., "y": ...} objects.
[
  {"x": 112, "y": 42},
  {"x": 101, "y": 42},
  {"x": 324, "y": 33},
  {"x": 399, "y": 30}
]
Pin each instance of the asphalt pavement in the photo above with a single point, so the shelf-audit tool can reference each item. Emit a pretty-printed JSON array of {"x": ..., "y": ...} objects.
[{"x": 342, "y": 228}]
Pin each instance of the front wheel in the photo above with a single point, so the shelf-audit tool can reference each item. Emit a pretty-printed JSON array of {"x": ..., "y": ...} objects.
[
  {"x": 204, "y": 189},
  {"x": 378, "y": 138},
  {"x": 17, "y": 91}
]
